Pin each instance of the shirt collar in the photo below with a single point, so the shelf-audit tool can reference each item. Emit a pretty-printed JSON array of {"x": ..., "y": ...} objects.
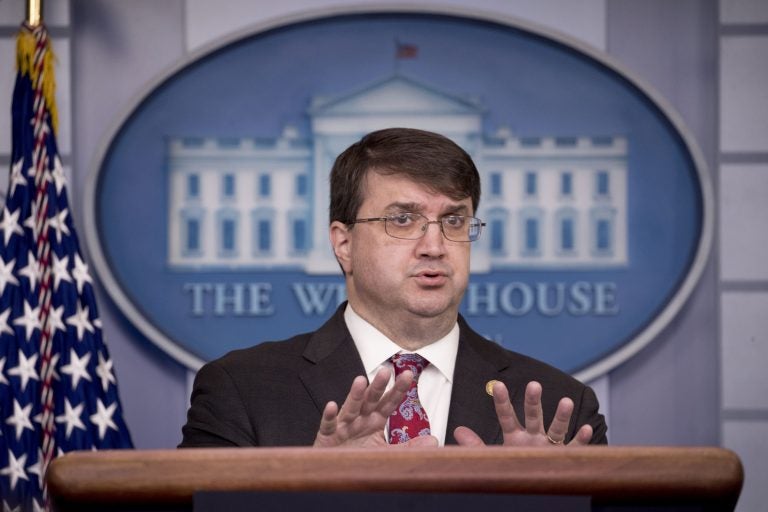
[{"x": 375, "y": 348}]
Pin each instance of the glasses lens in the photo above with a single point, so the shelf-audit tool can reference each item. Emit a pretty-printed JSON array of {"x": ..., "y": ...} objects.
[
  {"x": 455, "y": 227},
  {"x": 405, "y": 225},
  {"x": 475, "y": 225},
  {"x": 412, "y": 226}
]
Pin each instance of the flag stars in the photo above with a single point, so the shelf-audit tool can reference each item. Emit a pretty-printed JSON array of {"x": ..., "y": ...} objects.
[
  {"x": 103, "y": 418},
  {"x": 59, "y": 224},
  {"x": 4, "y": 327},
  {"x": 15, "y": 469},
  {"x": 17, "y": 176},
  {"x": 71, "y": 417},
  {"x": 60, "y": 271},
  {"x": 54, "y": 320},
  {"x": 50, "y": 335},
  {"x": 25, "y": 370},
  {"x": 7, "y": 508},
  {"x": 37, "y": 507},
  {"x": 80, "y": 321},
  {"x": 77, "y": 368},
  {"x": 31, "y": 271},
  {"x": 54, "y": 364},
  {"x": 37, "y": 468},
  {"x": 31, "y": 223},
  {"x": 58, "y": 175},
  {"x": 10, "y": 224},
  {"x": 104, "y": 371},
  {"x": 20, "y": 418},
  {"x": 6, "y": 274},
  {"x": 80, "y": 273},
  {"x": 3, "y": 380},
  {"x": 30, "y": 319}
]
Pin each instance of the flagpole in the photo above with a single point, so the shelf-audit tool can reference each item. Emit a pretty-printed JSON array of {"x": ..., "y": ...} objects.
[{"x": 34, "y": 12}]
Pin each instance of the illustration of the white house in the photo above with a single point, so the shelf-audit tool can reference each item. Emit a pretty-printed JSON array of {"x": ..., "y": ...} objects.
[{"x": 549, "y": 201}]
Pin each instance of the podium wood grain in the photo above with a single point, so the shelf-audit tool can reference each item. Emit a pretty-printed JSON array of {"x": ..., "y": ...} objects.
[{"x": 149, "y": 479}]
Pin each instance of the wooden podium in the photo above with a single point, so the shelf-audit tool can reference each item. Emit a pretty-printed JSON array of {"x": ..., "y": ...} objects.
[{"x": 704, "y": 478}]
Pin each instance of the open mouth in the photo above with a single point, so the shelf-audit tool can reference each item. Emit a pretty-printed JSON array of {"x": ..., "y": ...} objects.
[{"x": 431, "y": 277}]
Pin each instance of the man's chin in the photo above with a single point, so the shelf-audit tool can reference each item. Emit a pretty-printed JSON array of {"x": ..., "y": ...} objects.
[{"x": 433, "y": 309}]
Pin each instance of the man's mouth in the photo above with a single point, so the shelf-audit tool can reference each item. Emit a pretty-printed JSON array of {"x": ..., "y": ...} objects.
[{"x": 431, "y": 277}]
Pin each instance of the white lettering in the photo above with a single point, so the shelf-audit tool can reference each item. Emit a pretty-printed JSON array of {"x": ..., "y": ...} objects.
[
  {"x": 508, "y": 304},
  {"x": 549, "y": 299},
  {"x": 198, "y": 290},
  {"x": 236, "y": 299},
  {"x": 605, "y": 296},
  {"x": 316, "y": 298},
  {"x": 479, "y": 295}
]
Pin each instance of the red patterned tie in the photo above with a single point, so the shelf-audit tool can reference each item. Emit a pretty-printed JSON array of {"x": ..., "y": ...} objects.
[{"x": 409, "y": 420}]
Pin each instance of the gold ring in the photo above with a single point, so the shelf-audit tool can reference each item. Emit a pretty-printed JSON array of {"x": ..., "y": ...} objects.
[{"x": 549, "y": 438}]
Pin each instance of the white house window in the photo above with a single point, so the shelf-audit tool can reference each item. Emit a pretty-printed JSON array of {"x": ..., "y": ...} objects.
[
  {"x": 298, "y": 223},
  {"x": 497, "y": 236},
  {"x": 603, "y": 231},
  {"x": 302, "y": 187},
  {"x": 602, "y": 184},
  {"x": 263, "y": 221},
  {"x": 193, "y": 235},
  {"x": 228, "y": 186},
  {"x": 300, "y": 235},
  {"x": 497, "y": 227},
  {"x": 265, "y": 235},
  {"x": 265, "y": 185},
  {"x": 531, "y": 225},
  {"x": 530, "y": 183},
  {"x": 566, "y": 234},
  {"x": 193, "y": 186},
  {"x": 566, "y": 231},
  {"x": 192, "y": 232},
  {"x": 227, "y": 221},
  {"x": 566, "y": 184},
  {"x": 496, "y": 184},
  {"x": 603, "y": 237},
  {"x": 532, "y": 235}
]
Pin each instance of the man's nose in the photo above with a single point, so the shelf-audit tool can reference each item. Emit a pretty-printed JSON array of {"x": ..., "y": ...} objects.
[{"x": 433, "y": 241}]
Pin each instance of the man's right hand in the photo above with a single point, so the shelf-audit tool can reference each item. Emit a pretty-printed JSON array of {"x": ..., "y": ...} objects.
[{"x": 363, "y": 415}]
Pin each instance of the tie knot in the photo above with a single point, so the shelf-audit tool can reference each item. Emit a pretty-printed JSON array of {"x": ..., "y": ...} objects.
[{"x": 413, "y": 362}]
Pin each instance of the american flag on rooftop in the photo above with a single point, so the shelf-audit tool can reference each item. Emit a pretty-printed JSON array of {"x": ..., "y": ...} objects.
[{"x": 58, "y": 391}]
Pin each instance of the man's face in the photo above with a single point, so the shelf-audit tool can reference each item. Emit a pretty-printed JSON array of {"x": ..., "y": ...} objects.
[{"x": 393, "y": 280}]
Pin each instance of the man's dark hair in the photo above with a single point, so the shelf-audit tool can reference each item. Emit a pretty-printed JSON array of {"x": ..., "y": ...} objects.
[{"x": 426, "y": 158}]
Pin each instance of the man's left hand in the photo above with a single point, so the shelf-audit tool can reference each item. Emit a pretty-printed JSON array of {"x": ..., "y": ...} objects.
[{"x": 532, "y": 433}]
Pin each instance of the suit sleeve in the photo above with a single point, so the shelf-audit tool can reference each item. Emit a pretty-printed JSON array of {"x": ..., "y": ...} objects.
[
  {"x": 217, "y": 416},
  {"x": 588, "y": 413}
]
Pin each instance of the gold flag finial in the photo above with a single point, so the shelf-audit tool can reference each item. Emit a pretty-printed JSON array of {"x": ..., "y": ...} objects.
[{"x": 34, "y": 12}]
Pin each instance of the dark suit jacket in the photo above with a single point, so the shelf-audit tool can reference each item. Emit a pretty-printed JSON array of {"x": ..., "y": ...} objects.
[{"x": 273, "y": 394}]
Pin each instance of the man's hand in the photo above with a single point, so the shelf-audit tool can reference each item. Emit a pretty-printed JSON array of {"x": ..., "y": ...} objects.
[
  {"x": 533, "y": 432},
  {"x": 364, "y": 414}
]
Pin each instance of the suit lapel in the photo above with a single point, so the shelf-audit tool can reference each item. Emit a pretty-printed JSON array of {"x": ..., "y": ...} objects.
[
  {"x": 471, "y": 406},
  {"x": 336, "y": 362}
]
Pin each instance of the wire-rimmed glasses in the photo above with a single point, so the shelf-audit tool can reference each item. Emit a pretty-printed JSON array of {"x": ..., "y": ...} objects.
[{"x": 412, "y": 226}]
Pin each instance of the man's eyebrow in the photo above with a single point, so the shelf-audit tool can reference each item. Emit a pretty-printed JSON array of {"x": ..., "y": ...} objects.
[
  {"x": 456, "y": 209},
  {"x": 404, "y": 207},
  {"x": 452, "y": 209}
]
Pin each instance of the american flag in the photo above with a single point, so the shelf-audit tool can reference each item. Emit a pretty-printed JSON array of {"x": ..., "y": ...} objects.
[{"x": 57, "y": 384}]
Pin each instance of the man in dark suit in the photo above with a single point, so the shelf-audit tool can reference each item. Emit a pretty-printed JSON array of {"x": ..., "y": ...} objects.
[{"x": 405, "y": 279}]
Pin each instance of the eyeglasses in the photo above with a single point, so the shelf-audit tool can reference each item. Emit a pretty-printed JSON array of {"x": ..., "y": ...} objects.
[{"x": 412, "y": 226}]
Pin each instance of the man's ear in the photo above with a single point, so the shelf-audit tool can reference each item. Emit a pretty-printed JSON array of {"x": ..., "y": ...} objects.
[{"x": 341, "y": 242}]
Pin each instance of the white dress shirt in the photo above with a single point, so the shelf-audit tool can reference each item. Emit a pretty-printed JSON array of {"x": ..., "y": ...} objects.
[{"x": 436, "y": 380}]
